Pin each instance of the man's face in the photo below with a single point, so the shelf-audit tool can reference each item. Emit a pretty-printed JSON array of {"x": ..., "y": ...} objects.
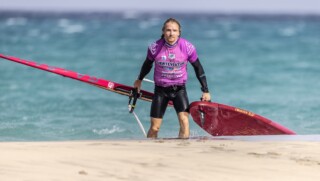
[{"x": 171, "y": 32}]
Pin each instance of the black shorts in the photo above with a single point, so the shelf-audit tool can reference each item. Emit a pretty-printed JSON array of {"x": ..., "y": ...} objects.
[{"x": 162, "y": 95}]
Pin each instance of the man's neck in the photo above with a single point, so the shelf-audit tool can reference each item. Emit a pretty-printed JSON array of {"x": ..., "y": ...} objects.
[{"x": 171, "y": 45}]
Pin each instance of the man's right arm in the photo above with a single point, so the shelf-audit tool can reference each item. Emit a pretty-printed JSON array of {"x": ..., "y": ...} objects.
[{"x": 145, "y": 69}]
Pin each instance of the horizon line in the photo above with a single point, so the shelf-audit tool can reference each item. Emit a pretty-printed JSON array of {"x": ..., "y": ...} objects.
[{"x": 136, "y": 12}]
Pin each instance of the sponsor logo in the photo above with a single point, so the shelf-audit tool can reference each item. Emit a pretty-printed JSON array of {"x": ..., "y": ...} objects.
[
  {"x": 79, "y": 76},
  {"x": 244, "y": 112},
  {"x": 172, "y": 56},
  {"x": 163, "y": 57},
  {"x": 110, "y": 85},
  {"x": 171, "y": 64},
  {"x": 93, "y": 79},
  {"x": 171, "y": 75},
  {"x": 190, "y": 48},
  {"x": 153, "y": 48}
]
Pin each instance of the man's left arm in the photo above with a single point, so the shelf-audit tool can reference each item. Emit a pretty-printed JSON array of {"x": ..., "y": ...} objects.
[{"x": 201, "y": 76}]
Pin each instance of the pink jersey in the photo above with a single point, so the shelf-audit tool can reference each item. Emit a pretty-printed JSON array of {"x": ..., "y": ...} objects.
[{"x": 171, "y": 61}]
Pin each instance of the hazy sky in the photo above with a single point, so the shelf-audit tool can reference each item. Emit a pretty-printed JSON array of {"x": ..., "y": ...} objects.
[{"x": 214, "y": 6}]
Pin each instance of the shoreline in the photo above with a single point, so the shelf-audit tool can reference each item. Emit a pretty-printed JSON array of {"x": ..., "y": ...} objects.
[
  {"x": 160, "y": 159},
  {"x": 255, "y": 138}
]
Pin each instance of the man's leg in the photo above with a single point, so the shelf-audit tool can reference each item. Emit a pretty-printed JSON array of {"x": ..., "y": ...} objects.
[
  {"x": 154, "y": 127},
  {"x": 184, "y": 124}
]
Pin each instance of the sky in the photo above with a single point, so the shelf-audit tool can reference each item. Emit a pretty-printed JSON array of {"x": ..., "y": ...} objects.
[{"x": 184, "y": 6}]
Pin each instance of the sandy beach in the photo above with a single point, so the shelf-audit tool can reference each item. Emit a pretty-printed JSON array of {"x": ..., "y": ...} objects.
[{"x": 162, "y": 159}]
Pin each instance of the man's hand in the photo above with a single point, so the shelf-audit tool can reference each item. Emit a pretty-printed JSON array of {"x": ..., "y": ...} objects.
[
  {"x": 137, "y": 84},
  {"x": 206, "y": 96}
]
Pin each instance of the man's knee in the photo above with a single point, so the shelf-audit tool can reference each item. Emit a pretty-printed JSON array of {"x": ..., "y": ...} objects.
[{"x": 155, "y": 128}]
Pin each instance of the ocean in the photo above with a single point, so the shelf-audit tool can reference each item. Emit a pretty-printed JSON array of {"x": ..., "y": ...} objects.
[{"x": 267, "y": 64}]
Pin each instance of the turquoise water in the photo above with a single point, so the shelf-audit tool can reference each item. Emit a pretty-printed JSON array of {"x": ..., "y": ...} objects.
[{"x": 266, "y": 64}]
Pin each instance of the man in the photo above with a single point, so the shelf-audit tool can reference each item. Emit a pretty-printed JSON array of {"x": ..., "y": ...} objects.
[{"x": 171, "y": 54}]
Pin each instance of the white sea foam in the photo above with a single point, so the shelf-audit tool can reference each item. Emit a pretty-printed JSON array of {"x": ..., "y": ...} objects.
[
  {"x": 70, "y": 28},
  {"x": 288, "y": 31},
  {"x": 149, "y": 23},
  {"x": 130, "y": 14},
  {"x": 16, "y": 21},
  {"x": 107, "y": 131},
  {"x": 211, "y": 34}
]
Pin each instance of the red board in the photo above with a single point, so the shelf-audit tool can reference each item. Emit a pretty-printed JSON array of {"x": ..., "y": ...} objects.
[
  {"x": 102, "y": 83},
  {"x": 222, "y": 120}
]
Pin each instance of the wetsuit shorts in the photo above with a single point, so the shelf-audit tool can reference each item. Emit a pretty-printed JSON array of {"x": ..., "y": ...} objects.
[{"x": 162, "y": 96}]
